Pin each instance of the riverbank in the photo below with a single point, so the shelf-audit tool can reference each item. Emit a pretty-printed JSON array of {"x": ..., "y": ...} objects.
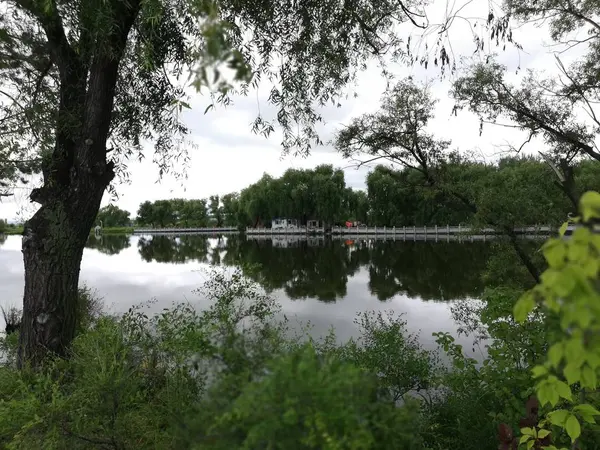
[
  {"x": 117, "y": 230},
  {"x": 185, "y": 378},
  {"x": 11, "y": 231}
]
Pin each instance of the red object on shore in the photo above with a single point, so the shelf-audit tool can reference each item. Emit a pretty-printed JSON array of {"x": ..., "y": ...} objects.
[{"x": 348, "y": 224}]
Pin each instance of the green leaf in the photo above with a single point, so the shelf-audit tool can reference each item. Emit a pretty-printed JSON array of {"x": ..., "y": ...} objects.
[
  {"x": 524, "y": 439},
  {"x": 572, "y": 373},
  {"x": 591, "y": 267},
  {"x": 542, "y": 393},
  {"x": 563, "y": 390},
  {"x": 588, "y": 377},
  {"x": 555, "y": 354},
  {"x": 586, "y": 409},
  {"x": 573, "y": 427},
  {"x": 539, "y": 371},
  {"x": 553, "y": 397},
  {"x": 587, "y": 412},
  {"x": 563, "y": 229},
  {"x": 575, "y": 352},
  {"x": 558, "y": 417},
  {"x": 524, "y": 306},
  {"x": 578, "y": 251},
  {"x": 589, "y": 205},
  {"x": 583, "y": 235},
  {"x": 208, "y": 108},
  {"x": 555, "y": 252},
  {"x": 543, "y": 433},
  {"x": 528, "y": 431},
  {"x": 593, "y": 360}
]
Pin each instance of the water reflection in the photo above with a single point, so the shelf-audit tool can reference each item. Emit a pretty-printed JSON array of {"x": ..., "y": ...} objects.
[
  {"x": 109, "y": 244},
  {"x": 2, "y": 239},
  {"x": 304, "y": 269},
  {"x": 430, "y": 270},
  {"x": 320, "y": 268},
  {"x": 174, "y": 249}
]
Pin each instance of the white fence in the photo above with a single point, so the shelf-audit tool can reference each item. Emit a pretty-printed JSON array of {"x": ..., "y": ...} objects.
[
  {"x": 400, "y": 231},
  {"x": 212, "y": 230},
  {"x": 351, "y": 231}
]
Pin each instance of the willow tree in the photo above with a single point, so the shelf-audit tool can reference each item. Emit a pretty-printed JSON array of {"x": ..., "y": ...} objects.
[
  {"x": 86, "y": 82},
  {"x": 399, "y": 134},
  {"x": 561, "y": 110}
]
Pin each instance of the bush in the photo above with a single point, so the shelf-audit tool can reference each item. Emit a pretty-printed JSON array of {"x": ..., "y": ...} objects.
[
  {"x": 310, "y": 401},
  {"x": 386, "y": 348}
]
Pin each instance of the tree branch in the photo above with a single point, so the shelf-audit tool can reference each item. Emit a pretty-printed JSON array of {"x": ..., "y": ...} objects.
[{"x": 50, "y": 21}]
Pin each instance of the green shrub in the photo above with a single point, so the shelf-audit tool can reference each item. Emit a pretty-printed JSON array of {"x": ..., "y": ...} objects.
[
  {"x": 385, "y": 347},
  {"x": 309, "y": 401}
]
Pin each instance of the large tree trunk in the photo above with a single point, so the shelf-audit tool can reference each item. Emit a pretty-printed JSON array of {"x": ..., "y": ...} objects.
[{"x": 53, "y": 244}]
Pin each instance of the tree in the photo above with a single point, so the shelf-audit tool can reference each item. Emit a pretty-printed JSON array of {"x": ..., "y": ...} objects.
[
  {"x": 3, "y": 226},
  {"x": 216, "y": 210},
  {"x": 256, "y": 201},
  {"x": 194, "y": 213},
  {"x": 231, "y": 209},
  {"x": 546, "y": 108},
  {"x": 144, "y": 214},
  {"x": 398, "y": 134},
  {"x": 174, "y": 250},
  {"x": 111, "y": 244},
  {"x": 112, "y": 216},
  {"x": 356, "y": 205}
]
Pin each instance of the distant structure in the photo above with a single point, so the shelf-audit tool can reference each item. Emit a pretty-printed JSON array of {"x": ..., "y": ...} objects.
[
  {"x": 284, "y": 224},
  {"x": 98, "y": 229}
]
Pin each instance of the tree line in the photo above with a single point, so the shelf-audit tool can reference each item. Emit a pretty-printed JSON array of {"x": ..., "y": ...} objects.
[{"x": 515, "y": 191}]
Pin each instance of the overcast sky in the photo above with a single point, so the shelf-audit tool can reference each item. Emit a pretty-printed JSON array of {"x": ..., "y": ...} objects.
[{"x": 229, "y": 156}]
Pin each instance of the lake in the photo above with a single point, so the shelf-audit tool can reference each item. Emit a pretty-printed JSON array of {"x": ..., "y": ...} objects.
[{"x": 324, "y": 281}]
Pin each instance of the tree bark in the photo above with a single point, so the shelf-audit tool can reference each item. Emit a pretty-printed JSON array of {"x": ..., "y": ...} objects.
[{"x": 53, "y": 244}]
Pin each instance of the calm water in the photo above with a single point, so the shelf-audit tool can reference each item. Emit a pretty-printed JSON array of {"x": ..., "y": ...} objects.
[{"x": 322, "y": 281}]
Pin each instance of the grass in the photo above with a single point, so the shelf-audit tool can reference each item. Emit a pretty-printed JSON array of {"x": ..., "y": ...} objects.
[{"x": 13, "y": 230}]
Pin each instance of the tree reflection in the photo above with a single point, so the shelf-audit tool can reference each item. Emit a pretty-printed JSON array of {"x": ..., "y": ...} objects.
[
  {"x": 2, "y": 239},
  {"x": 174, "y": 249},
  {"x": 109, "y": 244},
  {"x": 303, "y": 269},
  {"x": 320, "y": 269},
  {"x": 428, "y": 270}
]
